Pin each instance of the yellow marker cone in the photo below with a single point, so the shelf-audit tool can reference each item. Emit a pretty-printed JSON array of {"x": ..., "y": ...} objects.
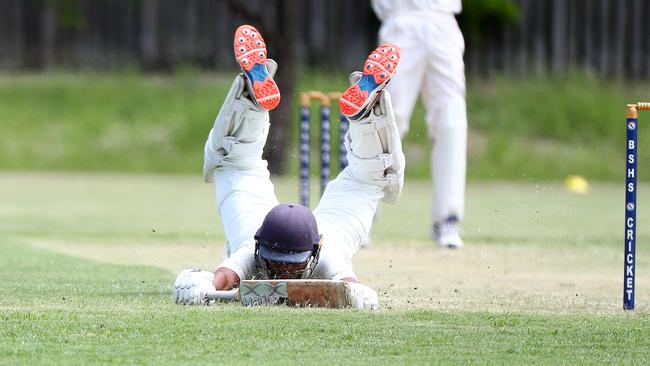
[{"x": 576, "y": 184}]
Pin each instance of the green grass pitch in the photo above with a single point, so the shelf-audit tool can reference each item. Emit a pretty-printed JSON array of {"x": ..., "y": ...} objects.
[{"x": 87, "y": 262}]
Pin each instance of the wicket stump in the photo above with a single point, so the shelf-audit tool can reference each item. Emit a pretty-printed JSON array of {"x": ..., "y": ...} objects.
[
  {"x": 630, "y": 203},
  {"x": 325, "y": 150}
]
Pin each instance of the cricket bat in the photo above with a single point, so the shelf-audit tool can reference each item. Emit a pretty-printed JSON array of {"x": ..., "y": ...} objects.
[{"x": 300, "y": 293}]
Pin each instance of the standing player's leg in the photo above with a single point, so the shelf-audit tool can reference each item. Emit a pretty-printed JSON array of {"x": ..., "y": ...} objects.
[
  {"x": 443, "y": 94},
  {"x": 405, "y": 85}
]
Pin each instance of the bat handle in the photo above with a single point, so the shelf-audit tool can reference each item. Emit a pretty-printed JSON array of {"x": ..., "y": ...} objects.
[{"x": 232, "y": 295}]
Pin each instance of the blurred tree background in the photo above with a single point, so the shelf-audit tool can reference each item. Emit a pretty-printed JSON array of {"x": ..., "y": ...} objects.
[
  {"x": 132, "y": 85},
  {"x": 504, "y": 36}
]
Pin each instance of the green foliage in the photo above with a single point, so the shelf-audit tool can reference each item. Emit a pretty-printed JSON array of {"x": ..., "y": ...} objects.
[
  {"x": 578, "y": 109},
  {"x": 520, "y": 127},
  {"x": 541, "y": 127},
  {"x": 121, "y": 122},
  {"x": 480, "y": 17},
  {"x": 69, "y": 14}
]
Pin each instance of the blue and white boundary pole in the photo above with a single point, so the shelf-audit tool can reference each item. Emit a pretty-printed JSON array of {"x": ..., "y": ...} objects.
[
  {"x": 630, "y": 210},
  {"x": 629, "y": 269}
]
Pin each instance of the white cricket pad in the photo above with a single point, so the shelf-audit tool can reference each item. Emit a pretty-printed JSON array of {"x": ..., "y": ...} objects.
[
  {"x": 375, "y": 150},
  {"x": 239, "y": 133}
]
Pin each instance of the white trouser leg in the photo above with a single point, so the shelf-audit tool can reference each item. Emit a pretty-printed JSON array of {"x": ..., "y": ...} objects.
[
  {"x": 444, "y": 97},
  {"x": 375, "y": 172},
  {"x": 344, "y": 216},
  {"x": 243, "y": 198},
  {"x": 448, "y": 160},
  {"x": 405, "y": 85}
]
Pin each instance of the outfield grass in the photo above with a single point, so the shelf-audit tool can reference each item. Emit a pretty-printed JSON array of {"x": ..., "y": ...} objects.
[
  {"x": 87, "y": 262},
  {"x": 534, "y": 128}
]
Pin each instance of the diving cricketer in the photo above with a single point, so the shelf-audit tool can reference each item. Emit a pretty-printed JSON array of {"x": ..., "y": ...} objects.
[{"x": 268, "y": 240}]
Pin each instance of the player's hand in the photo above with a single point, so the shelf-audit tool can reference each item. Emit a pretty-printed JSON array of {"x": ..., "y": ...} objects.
[
  {"x": 225, "y": 279},
  {"x": 191, "y": 286},
  {"x": 362, "y": 297}
]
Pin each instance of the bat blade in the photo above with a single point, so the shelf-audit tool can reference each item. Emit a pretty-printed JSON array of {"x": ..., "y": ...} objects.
[{"x": 301, "y": 293}]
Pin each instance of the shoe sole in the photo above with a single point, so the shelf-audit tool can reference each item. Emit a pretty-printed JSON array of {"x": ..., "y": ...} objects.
[
  {"x": 378, "y": 69},
  {"x": 250, "y": 53}
]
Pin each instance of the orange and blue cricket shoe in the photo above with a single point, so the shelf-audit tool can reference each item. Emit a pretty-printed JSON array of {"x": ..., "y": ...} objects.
[
  {"x": 378, "y": 69},
  {"x": 250, "y": 52}
]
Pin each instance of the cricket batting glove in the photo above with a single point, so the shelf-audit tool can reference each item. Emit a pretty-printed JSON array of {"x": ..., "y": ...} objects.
[
  {"x": 191, "y": 287},
  {"x": 374, "y": 148},
  {"x": 362, "y": 297},
  {"x": 240, "y": 131}
]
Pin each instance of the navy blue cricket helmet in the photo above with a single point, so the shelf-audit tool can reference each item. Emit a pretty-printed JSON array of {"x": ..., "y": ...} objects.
[{"x": 288, "y": 235}]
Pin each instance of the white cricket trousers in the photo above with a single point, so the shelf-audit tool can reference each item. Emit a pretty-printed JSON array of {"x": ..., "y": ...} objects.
[
  {"x": 344, "y": 214},
  {"x": 432, "y": 67}
]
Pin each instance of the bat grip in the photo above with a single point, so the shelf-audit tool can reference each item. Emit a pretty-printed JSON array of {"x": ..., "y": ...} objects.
[{"x": 232, "y": 295}]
